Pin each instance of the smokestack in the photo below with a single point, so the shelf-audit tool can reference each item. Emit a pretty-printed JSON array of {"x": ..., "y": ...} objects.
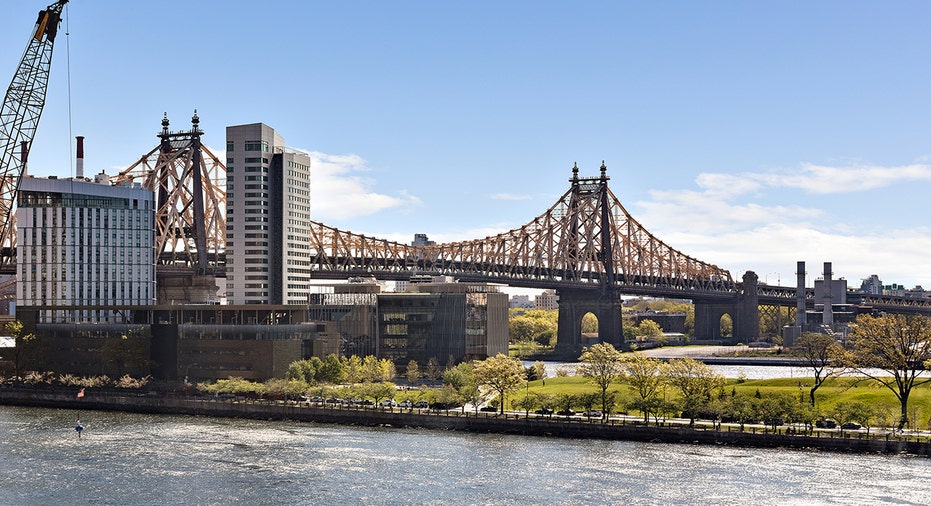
[
  {"x": 79, "y": 164},
  {"x": 828, "y": 315},
  {"x": 23, "y": 155},
  {"x": 800, "y": 317}
]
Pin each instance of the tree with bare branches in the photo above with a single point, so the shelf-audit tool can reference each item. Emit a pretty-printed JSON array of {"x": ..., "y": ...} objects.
[
  {"x": 821, "y": 352},
  {"x": 897, "y": 345}
]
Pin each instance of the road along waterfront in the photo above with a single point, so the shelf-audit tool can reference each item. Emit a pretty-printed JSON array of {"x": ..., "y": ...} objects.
[{"x": 136, "y": 459}]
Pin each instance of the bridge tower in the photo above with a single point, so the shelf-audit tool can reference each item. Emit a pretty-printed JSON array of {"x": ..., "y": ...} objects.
[
  {"x": 602, "y": 299},
  {"x": 744, "y": 313},
  {"x": 189, "y": 184}
]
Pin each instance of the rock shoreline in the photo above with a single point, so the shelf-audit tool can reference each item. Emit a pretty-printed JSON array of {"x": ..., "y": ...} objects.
[{"x": 576, "y": 427}]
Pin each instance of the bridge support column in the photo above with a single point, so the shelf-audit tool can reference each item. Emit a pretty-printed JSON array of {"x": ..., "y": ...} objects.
[
  {"x": 747, "y": 324},
  {"x": 574, "y": 304},
  {"x": 744, "y": 313}
]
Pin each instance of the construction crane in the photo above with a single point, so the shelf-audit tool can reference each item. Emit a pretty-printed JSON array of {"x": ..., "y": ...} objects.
[{"x": 22, "y": 107}]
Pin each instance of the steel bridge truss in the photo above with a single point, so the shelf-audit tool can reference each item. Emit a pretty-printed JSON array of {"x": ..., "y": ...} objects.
[
  {"x": 585, "y": 239},
  {"x": 190, "y": 190}
]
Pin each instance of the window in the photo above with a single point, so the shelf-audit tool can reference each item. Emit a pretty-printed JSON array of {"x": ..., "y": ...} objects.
[
  {"x": 229, "y": 145},
  {"x": 257, "y": 146}
]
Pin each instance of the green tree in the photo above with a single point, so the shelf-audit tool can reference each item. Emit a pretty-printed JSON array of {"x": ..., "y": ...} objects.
[
  {"x": 353, "y": 367},
  {"x": 379, "y": 391},
  {"x": 649, "y": 328},
  {"x": 520, "y": 329},
  {"x": 332, "y": 371},
  {"x": 589, "y": 323},
  {"x": 565, "y": 401},
  {"x": 501, "y": 373},
  {"x": 289, "y": 388},
  {"x": 646, "y": 377},
  {"x": 302, "y": 370},
  {"x": 727, "y": 325},
  {"x": 898, "y": 345},
  {"x": 695, "y": 382},
  {"x": 413, "y": 372},
  {"x": 853, "y": 411},
  {"x": 461, "y": 378},
  {"x": 26, "y": 351},
  {"x": 539, "y": 370},
  {"x": 527, "y": 402},
  {"x": 602, "y": 364},
  {"x": 819, "y": 350}
]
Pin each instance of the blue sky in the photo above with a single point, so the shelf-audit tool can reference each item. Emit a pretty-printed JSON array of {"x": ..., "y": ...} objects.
[{"x": 747, "y": 134}]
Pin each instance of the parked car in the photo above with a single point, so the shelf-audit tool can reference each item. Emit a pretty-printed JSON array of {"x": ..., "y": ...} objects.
[
  {"x": 826, "y": 424},
  {"x": 406, "y": 404},
  {"x": 566, "y": 412},
  {"x": 489, "y": 409},
  {"x": 850, "y": 426},
  {"x": 544, "y": 411},
  {"x": 421, "y": 405},
  {"x": 592, "y": 413},
  {"x": 388, "y": 403}
]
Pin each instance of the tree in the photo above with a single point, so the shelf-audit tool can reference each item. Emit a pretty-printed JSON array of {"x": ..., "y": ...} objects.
[
  {"x": 539, "y": 370},
  {"x": 645, "y": 376},
  {"x": 25, "y": 352},
  {"x": 898, "y": 345},
  {"x": 649, "y": 328},
  {"x": 433, "y": 371},
  {"x": 589, "y": 323},
  {"x": 462, "y": 379},
  {"x": 853, "y": 411},
  {"x": 290, "y": 388},
  {"x": 565, "y": 401},
  {"x": 527, "y": 402},
  {"x": 501, "y": 373},
  {"x": 520, "y": 329},
  {"x": 601, "y": 364},
  {"x": 353, "y": 369},
  {"x": 695, "y": 382},
  {"x": 380, "y": 391},
  {"x": 413, "y": 372},
  {"x": 727, "y": 325},
  {"x": 819, "y": 350},
  {"x": 332, "y": 370},
  {"x": 302, "y": 370}
]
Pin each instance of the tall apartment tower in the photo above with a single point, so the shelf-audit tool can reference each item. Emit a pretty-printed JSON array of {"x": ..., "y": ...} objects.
[
  {"x": 267, "y": 218},
  {"x": 83, "y": 243}
]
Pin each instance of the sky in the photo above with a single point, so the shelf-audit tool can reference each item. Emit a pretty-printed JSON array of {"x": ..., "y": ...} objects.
[{"x": 750, "y": 135}]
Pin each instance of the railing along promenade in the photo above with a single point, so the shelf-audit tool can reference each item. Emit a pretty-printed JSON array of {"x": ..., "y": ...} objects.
[{"x": 615, "y": 427}]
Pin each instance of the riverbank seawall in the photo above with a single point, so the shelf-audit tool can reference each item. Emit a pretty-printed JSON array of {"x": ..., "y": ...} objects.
[{"x": 532, "y": 425}]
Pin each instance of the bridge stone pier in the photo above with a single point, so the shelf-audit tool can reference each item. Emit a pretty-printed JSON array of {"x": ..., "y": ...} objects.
[
  {"x": 574, "y": 304},
  {"x": 745, "y": 314}
]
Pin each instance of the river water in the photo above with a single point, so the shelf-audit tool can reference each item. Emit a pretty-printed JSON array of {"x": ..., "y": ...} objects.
[{"x": 131, "y": 459}]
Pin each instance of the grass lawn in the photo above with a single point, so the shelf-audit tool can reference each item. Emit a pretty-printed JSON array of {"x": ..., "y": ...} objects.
[{"x": 832, "y": 392}]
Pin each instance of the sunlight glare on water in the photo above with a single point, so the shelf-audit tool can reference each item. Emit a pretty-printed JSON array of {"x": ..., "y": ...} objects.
[{"x": 129, "y": 459}]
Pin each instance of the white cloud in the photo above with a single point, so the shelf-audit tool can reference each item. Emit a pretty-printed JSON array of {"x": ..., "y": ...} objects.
[
  {"x": 731, "y": 223},
  {"x": 338, "y": 192},
  {"x": 816, "y": 179}
]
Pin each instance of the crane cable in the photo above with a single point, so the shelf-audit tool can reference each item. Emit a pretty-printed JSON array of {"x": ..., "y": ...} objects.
[{"x": 68, "y": 52}]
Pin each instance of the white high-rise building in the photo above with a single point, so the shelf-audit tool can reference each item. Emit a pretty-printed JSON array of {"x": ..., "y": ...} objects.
[
  {"x": 267, "y": 218},
  {"x": 83, "y": 243}
]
